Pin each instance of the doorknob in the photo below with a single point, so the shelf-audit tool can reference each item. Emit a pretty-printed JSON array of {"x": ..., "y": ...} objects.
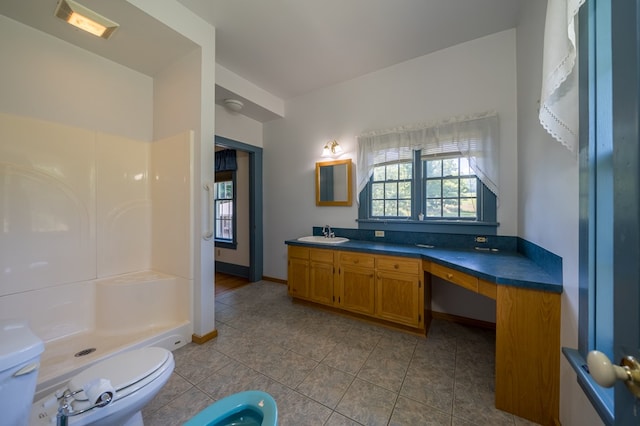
[{"x": 606, "y": 374}]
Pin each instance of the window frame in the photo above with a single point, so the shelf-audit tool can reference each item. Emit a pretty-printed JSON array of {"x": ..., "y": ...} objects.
[
  {"x": 226, "y": 176},
  {"x": 426, "y": 179},
  {"x": 485, "y": 222}
]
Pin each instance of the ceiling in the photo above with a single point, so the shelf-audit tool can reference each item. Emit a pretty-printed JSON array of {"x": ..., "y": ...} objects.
[
  {"x": 291, "y": 47},
  {"x": 286, "y": 47}
]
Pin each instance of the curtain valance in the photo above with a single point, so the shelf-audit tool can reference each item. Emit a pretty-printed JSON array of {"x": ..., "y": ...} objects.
[
  {"x": 475, "y": 137},
  {"x": 226, "y": 161}
]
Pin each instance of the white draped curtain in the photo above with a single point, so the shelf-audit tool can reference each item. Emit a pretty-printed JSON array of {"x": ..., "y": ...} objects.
[
  {"x": 559, "y": 98},
  {"x": 475, "y": 137}
]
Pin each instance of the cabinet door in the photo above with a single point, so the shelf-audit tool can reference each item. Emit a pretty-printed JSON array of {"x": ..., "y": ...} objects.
[
  {"x": 399, "y": 298},
  {"x": 298, "y": 278},
  {"x": 357, "y": 289},
  {"x": 321, "y": 282}
]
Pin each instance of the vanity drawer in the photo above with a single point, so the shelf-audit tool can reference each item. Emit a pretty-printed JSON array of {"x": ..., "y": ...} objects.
[
  {"x": 356, "y": 259},
  {"x": 488, "y": 289},
  {"x": 320, "y": 255},
  {"x": 456, "y": 277},
  {"x": 398, "y": 264},
  {"x": 299, "y": 252}
]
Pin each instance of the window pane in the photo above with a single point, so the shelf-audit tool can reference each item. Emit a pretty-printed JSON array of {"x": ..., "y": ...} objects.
[
  {"x": 406, "y": 171},
  {"x": 391, "y": 191},
  {"x": 404, "y": 208},
  {"x": 468, "y": 187},
  {"x": 377, "y": 208},
  {"x": 450, "y": 208},
  {"x": 434, "y": 208},
  {"x": 377, "y": 191},
  {"x": 450, "y": 167},
  {"x": 392, "y": 172},
  {"x": 378, "y": 173},
  {"x": 434, "y": 188},
  {"x": 450, "y": 188},
  {"x": 224, "y": 219},
  {"x": 434, "y": 168},
  {"x": 404, "y": 190},
  {"x": 468, "y": 207},
  {"x": 391, "y": 208}
]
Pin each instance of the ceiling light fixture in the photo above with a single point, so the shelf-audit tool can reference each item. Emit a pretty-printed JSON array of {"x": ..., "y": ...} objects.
[
  {"x": 233, "y": 104},
  {"x": 331, "y": 149},
  {"x": 84, "y": 18}
]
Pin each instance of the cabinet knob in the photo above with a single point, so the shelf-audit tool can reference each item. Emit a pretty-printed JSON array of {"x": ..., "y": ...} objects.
[
  {"x": 396, "y": 266},
  {"x": 356, "y": 261},
  {"x": 449, "y": 275}
]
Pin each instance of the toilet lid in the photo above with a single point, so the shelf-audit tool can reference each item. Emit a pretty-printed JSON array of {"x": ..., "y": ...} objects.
[{"x": 122, "y": 370}]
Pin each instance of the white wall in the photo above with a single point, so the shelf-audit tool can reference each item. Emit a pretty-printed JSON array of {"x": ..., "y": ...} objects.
[
  {"x": 238, "y": 127},
  {"x": 548, "y": 202},
  {"x": 472, "y": 77},
  {"x": 44, "y": 77}
]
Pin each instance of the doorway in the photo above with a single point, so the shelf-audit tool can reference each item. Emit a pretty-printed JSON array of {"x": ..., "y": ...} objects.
[{"x": 254, "y": 272}]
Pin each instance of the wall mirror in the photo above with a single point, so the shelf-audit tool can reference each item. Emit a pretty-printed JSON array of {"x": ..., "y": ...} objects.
[{"x": 333, "y": 183}]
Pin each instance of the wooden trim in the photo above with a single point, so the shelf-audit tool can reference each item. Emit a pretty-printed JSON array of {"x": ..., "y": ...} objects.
[
  {"x": 528, "y": 353},
  {"x": 203, "y": 339},
  {"x": 274, "y": 280},
  {"x": 463, "y": 320},
  {"x": 488, "y": 289}
]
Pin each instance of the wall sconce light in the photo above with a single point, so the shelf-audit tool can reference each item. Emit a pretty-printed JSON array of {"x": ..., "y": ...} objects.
[{"x": 331, "y": 149}]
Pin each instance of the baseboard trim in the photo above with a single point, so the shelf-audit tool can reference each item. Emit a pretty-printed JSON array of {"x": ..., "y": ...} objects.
[
  {"x": 274, "y": 280},
  {"x": 463, "y": 320},
  {"x": 203, "y": 339}
]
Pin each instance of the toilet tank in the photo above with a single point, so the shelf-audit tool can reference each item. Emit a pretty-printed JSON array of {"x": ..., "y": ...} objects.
[{"x": 20, "y": 352}]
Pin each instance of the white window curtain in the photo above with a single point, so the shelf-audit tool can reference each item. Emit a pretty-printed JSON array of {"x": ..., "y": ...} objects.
[
  {"x": 559, "y": 98},
  {"x": 475, "y": 137}
]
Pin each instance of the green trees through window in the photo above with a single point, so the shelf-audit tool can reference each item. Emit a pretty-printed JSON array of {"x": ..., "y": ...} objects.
[
  {"x": 447, "y": 188},
  {"x": 450, "y": 188}
]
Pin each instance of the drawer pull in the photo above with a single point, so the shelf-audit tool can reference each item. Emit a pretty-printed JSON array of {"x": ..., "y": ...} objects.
[
  {"x": 449, "y": 275},
  {"x": 356, "y": 260},
  {"x": 396, "y": 266}
]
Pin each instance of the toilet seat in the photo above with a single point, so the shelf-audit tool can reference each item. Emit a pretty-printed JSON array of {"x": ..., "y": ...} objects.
[
  {"x": 124, "y": 371},
  {"x": 135, "y": 376}
]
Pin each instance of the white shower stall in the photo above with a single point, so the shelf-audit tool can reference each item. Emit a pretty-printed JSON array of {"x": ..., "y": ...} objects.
[{"x": 96, "y": 246}]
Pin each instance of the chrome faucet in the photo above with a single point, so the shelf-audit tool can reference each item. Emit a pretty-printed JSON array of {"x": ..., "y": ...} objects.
[{"x": 327, "y": 232}]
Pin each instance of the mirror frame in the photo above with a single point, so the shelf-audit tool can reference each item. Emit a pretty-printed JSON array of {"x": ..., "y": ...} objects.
[{"x": 349, "y": 199}]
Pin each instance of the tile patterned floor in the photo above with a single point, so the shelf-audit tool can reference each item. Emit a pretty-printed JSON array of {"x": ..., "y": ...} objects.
[{"x": 327, "y": 369}]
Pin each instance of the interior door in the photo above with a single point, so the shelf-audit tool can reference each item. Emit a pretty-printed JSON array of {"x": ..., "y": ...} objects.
[{"x": 610, "y": 150}]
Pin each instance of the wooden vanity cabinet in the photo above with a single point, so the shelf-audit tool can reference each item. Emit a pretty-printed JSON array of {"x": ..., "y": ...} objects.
[
  {"x": 321, "y": 276},
  {"x": 384, "y": 287},
  {"x": 399, "y": 290},
  {"x": 298, "y": 272},
  {"x": 356, "y": 282}
]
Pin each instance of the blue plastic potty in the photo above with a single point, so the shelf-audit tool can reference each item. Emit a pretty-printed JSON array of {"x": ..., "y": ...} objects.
[{"x": 248, "y": 408}]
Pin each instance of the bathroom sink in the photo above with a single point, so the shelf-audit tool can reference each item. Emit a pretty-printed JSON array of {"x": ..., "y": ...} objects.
[{"x": 319, "y": 239}]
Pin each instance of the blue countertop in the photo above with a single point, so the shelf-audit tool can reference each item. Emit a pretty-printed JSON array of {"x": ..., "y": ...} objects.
[{"x": 500, "y": 267}]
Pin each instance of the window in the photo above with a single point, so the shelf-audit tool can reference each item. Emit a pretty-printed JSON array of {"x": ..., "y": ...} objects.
[
  {"x": 444, "y": 189},
  {"x": 450, "y": 188},
  {"x": 224, "y": 199},
  {"x": 391, "y": 190},
  {"x": 424, "y": 176}
]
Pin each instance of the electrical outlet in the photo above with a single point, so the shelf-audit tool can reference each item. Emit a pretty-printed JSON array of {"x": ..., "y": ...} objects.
[
  {"x": 481, "y": 239},
  {"x": 379, "y": 234}
]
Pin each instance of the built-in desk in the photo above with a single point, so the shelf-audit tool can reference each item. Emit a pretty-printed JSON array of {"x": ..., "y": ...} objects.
[{"x": 527, "y": 381}]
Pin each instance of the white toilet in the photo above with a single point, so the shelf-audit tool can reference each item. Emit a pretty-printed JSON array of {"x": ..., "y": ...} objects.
[
  {"x": 111, "y": 392},
  {"x": 20, "y": 352}
]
